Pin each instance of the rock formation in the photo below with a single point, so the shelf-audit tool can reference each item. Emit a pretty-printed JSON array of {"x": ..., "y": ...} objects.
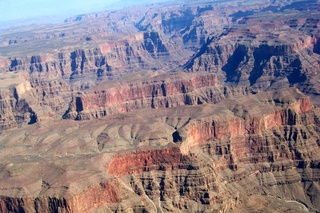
[
  {"x": 228, "y": 153},
  {"x": 179, "y": 107}
]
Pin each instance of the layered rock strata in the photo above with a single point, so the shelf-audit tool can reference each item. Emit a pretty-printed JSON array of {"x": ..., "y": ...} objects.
[
  {"x": 173, "y": 91},
  {"x": 221, "y": 156},
  {"x": 253, "y": 50},
  {"x": 165, "y": 109}
]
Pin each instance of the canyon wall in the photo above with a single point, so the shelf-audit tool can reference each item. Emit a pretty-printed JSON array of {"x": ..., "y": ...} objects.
[
  {"x": 220, "y": 157},
  {"x": 103, "y": 194},
  {"x": 229, "y": 156},
  {"x": 253, "y": 53},
  {"x": 192, "y": 107},
  {"x": 172, "y": 91}
]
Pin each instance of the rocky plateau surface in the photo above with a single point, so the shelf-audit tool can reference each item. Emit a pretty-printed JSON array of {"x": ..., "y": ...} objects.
[{"x": 202, "y": 106}]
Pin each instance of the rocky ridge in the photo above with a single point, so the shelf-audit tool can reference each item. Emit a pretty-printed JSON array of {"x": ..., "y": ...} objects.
[
  {"x": 219, "y": 157},
  {"x": 198, "y": 107}
]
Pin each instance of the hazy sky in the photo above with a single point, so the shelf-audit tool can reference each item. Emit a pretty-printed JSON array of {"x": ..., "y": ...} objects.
[{"x": 26, "y": 9}]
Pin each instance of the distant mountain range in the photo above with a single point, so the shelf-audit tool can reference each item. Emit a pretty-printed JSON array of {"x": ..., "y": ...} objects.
[{"x": 18, "y": 13}]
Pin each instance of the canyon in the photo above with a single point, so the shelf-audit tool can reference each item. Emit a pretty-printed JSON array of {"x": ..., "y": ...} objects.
[{"x": 202, "y": 106}]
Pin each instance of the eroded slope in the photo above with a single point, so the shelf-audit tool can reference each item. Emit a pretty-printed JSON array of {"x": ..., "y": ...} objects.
[
  {"x": 192, "y": 158},
  {"x": 164, "y": 108}
]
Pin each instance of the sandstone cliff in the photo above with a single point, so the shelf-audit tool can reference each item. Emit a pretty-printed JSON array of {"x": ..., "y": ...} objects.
[
  {"x": 251, "y": 49},
  {"x": 171, "y": 91},
  {"x": 192, "y": 107},
  {"x": 235, "y": 153},
  {"x": 262, "y": 52},
  {"x": 222, "y": 156}
]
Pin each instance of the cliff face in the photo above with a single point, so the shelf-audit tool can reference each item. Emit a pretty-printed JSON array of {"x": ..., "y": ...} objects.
[
  {"x": 260, "y": 66},
  {"x": 53, "y": 78},
  {"x": 193, "y": 158},
  {"x": 230, "y": 156},
  {"x": 144, "y": 161},
  {"x": 172, "y": 91},
  {"x": 265, "y": 54},
  {"x": 103, "y": 194},
  {"x": 137, "y": 51},
  {"x": 15, "y": 110},
  {"x": 250, "y": 50},
  {"x": 197, "y": 107}
]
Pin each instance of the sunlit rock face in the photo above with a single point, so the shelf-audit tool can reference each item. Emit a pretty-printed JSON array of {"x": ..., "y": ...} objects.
[
  {"x": 208, "y": 157},
  {"x": 175, "y": 107}
]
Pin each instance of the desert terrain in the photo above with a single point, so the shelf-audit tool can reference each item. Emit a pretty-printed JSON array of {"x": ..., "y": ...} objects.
[{"x": 202, "y": 106}]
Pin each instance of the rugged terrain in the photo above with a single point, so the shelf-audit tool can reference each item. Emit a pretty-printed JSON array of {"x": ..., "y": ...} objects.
[{"x": 209, "y": 106}]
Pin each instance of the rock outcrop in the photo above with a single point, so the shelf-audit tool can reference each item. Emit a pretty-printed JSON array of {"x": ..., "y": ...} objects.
[
  {"x": 103, "y": 194},
  {"x": 192, "y": 107},
  {"x": 221, "y": 156},
  {"x": 262, "y": 151},
  {"x": 167, "y": 92},
  {"x": 144, "y": 161},
  {"x": 261, "y": 52}
]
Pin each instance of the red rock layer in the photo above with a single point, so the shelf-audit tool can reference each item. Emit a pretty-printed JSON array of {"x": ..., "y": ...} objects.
[
  {"x": 107, "y": 192},
  {"x": 273, "y": 147},
  {"x": 145, "y": 161},
  {"x": 238, "y": 128},
  {"x": 147, "y": 94}
]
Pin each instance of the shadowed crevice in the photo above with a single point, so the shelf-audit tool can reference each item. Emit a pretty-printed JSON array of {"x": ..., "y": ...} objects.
[
  {"x": 231, "y": 68},
  {"x": 79, "y": 104},
  {"x": 176, "y": 137}
]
